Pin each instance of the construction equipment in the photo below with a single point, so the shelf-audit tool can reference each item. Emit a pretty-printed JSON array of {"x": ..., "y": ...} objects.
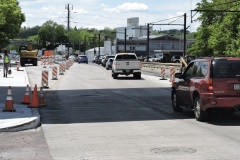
[
  {"x": 185, "y": 61},
  {"x": 28, "y": 54}
]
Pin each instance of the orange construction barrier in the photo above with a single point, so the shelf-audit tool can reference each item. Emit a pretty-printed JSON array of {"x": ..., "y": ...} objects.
[
  {"x": 163, "y": 73},
  {"x": 9, "y": 101},
  {"x": 48, "y": 53},
  {"x": 35, "y": 100},
  {"x": 41, "y": 98},
  {"x": 26, "y": 98},
  {"x": 172, "y": 73}
]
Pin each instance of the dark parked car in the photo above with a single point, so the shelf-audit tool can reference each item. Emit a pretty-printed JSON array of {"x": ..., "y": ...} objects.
[
  {"x": 94, "y": 59},
  {"x": 82, "y": 59},
  {"x": 208, "y": 84},
  {"x": 175, "y": 59},
  {"x": 99, "y": 61}
]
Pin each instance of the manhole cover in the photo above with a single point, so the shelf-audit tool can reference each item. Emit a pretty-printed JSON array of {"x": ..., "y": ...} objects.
[{"x": 173, "y": 150}]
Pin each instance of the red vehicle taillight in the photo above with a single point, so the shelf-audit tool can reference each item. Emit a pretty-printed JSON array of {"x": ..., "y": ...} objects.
[{"x": 210, "y": 84}]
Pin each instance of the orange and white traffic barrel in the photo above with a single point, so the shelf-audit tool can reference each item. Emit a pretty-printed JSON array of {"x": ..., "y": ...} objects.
[
  {"x": 54, "y": 73},
  {"x": 67, "y": 64},
  {"x": 64, "y": 66},
  {"x": 163, "y": 73},
  {"x": 45, "y": 79},
  {"x": 44, "y": 59},
  {"x": 172, "y": 75},
  {"x": 61, "y": 68}
]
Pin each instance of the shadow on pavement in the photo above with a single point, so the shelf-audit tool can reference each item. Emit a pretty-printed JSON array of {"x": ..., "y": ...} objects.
[{"x": 116, "y": 105}]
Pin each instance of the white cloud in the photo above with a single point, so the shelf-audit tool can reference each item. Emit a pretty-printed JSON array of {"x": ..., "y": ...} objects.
[{"x": 127, "y": 7}]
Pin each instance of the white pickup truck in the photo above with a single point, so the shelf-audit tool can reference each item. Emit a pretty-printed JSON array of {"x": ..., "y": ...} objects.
[{"x": 126, "y": 64}]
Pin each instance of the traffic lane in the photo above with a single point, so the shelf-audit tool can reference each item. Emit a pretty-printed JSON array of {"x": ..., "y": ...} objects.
[
  {"x": 98, "y": 86},
  {"x": 96, "y": 96},
  {"x": 106, "y": 105},
  {"x": 132, "y": 136}
]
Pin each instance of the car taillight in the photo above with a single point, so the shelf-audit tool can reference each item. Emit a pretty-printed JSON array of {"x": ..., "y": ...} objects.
[{"x": 210, "y": 84}]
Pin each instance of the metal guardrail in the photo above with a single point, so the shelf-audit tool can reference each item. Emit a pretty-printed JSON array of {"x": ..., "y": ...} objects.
[{"x": 159, "y": 65}]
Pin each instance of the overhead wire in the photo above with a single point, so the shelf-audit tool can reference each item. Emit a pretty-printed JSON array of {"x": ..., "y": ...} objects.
[{"x": 166, "y": 19}]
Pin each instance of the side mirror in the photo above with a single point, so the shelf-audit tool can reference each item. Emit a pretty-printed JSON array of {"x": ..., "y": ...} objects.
[{"x": 178, "y": 75}]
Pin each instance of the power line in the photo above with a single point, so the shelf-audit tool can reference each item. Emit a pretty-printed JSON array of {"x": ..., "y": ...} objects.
[{"x": 166, "y": 19}]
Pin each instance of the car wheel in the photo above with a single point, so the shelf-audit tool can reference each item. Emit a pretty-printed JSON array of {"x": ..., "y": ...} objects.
[
  {"x": 137, "y": 75},
  {"x": 114, "y": 75},
  {"x": 175, "y": 104},
  {"x": 107, "y": 68},
  {"x": 200, "y": 115}
]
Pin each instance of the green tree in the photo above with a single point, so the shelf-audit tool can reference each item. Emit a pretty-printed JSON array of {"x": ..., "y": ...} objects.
[
  {"x": 51, "y": 32},
  {"x": 60, "y": 34},
  {"x": 26, "y": 32},
  {"x": 11, "y": 19},
  {"x": 33, "y": 39},
  {"x": 219, "y": 31}
]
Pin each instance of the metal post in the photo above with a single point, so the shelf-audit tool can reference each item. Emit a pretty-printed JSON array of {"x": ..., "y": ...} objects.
[
  {"x": 99, "y": 43},
  {"x": 68, "y": 27},
  {"x": 147, "y": 49},
  {"x": 94, "y": 46},
  {"x": 85, "y": 45},
  {"x": 184, "y": 34},
  {"x": 125, "y": 40}
]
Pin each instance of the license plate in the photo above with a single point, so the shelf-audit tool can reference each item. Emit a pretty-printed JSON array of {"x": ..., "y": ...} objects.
[
  {"x": 236, "y": 86},
  {"x": 127, "y": 70}
]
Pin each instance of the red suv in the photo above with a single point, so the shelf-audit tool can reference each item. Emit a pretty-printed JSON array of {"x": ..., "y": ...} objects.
[{"x": 207, "y": 84}]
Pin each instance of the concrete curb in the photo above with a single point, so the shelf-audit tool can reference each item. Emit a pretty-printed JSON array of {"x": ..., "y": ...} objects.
[
  {"x": 30, "y": 125},
  {"x": 23, "y": 119}
]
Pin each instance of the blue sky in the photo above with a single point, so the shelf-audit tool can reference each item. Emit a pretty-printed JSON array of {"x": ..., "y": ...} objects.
[{"x": 108, "y": 13}]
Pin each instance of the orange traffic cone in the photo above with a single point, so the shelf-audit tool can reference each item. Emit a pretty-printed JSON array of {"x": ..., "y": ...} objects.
[
  {"x": 9, "y": 101},
  {"x": 35, "y": 101},
  {"x": 26, "y": 98},
  {"x": 41, "y": 98}
]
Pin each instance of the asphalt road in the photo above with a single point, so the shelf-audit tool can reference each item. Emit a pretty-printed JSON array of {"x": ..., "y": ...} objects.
[{"x": 91, "y": 116}]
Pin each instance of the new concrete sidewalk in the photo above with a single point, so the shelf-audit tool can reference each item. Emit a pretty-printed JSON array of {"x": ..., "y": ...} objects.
[{"x": 23, "y": 118}]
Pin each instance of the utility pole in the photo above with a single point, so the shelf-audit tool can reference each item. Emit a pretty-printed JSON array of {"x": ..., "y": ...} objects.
[
  {"x": 184, "y": 34},
  {"x": 147, "y": 49},
  {"x": 85, "y": 45},
  {"x": 94, "y": 45},
  {"x": 68, "y": 23},
  {"x": 125, "y": 40},
  {"x": 99, "y": 43}
]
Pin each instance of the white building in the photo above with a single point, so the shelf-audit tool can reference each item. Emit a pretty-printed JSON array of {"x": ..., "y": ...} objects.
[{"x": 133, "y": 30}]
